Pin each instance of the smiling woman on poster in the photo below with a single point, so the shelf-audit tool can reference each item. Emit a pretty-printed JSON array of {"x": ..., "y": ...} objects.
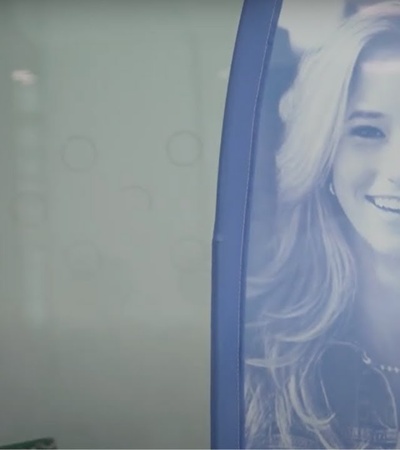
[{"x": 322, "y": 359}]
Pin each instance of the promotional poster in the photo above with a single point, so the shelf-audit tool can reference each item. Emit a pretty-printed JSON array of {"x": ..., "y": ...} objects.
[{"x": 320, "y": 354}]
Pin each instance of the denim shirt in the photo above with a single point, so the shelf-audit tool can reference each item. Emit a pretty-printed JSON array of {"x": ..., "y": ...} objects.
[{"x": 361, "y": 399}]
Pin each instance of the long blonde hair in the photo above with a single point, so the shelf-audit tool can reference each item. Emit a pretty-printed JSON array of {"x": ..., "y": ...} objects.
[{"x": 308, "y": 285}]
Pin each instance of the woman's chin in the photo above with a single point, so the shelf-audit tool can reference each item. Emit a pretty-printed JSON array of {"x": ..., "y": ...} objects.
[
  {"x": 387, "y": 249},
  {"x": 373, "y": 245}
]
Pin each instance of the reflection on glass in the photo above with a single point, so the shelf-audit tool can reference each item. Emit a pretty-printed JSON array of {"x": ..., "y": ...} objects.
[{"x": 25, "y": 77}]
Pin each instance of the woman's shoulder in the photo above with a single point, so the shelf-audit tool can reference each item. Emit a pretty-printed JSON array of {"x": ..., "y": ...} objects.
[
  {"x": 359, "y": 395},
  {"x": 341, "y": 370},
  {"x": 356, "y": 395}
]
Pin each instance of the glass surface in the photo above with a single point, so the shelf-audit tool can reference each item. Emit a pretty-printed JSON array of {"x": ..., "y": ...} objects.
[{"x": 111, "y": 123}]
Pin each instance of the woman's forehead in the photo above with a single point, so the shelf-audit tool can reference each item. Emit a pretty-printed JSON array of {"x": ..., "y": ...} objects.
[
  {"x": 381, "y": 47},
  {"x": 381, "y": 59},
  {"x": 378, "y": 59},
  {"x": 382, "y": 56},
  {"x": 376, "y": 85}
]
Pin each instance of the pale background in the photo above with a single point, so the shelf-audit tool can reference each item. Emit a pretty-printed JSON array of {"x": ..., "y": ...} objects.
[{"x": 111, "y": 123}]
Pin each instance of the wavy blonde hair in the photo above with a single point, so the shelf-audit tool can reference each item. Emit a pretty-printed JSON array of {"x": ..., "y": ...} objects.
[{"x": 307, "y": 288}]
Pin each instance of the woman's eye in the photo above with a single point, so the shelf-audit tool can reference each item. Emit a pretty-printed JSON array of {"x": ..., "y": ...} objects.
[{"x": 367, "y": 132}]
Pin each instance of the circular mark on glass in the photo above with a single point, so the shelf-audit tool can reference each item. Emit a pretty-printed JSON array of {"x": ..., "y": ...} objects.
[
  {"x": 190, "y": 254},
  {"x": 79, "y": 153},
  {"x": 138, "y": 198},
  {"x": 29, "y": 208},
  {"x": 184, "y": 148},
  {"x": 83, "y": 258}
]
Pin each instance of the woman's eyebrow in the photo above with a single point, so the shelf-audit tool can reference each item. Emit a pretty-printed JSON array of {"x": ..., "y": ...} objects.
[{"x": 363, "y": 114}]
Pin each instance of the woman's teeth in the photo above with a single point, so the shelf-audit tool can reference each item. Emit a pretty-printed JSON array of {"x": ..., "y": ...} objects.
[{"x": 386, "y": 203}]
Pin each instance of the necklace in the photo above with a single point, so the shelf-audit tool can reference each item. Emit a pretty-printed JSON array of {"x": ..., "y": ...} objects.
[{"x": 385, "y": 368}]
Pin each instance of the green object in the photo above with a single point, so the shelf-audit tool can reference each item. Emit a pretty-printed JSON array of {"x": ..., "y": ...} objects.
[{"x": 37, "y": 443}]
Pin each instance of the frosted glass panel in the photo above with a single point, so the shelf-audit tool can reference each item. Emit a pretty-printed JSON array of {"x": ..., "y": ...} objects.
[{"x": 111, "y": 115}]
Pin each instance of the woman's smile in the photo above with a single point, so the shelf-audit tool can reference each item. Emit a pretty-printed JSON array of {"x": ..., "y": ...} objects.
[{"x": 386, "y": 203}]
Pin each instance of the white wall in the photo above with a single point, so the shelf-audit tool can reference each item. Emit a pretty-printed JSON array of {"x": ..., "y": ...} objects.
[{"x": 109, "y": 168}]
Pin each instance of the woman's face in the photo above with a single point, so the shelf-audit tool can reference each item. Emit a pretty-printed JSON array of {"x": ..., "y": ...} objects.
[{"x": 366, "y": 171}]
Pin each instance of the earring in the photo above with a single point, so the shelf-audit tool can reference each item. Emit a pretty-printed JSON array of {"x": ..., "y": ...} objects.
[{"x": 332, "y": 189}]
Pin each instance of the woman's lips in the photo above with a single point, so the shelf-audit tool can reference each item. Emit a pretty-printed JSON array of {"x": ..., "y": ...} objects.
[{"x": 388, "y": 203}]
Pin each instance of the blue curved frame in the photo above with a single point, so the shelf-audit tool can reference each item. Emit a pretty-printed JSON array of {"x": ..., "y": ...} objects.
[{"x": 250, "y": 61}]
